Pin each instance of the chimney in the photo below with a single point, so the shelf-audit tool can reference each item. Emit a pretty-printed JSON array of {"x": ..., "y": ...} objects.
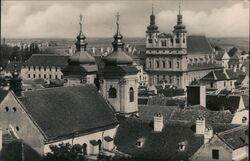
[
  {"x": 200, "y": 125},
  {"x": 102, "y": 50},
  {"x": 158, "y": 122},
  {"x": 208, "y": 134},
  {"x": 93, "y": 50},
  {"x": 196, "y": 95}
]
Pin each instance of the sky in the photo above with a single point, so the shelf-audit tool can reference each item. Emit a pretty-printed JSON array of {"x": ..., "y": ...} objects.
[{"x": 60, "y": 19}]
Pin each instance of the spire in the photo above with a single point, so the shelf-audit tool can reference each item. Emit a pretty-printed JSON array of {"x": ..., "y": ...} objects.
[
  {"x": 117, "y": 43},
  {"x": 81, "y": 43},
  {"x": 152, "y": 26},
  {"x": 179, "y": 27}
]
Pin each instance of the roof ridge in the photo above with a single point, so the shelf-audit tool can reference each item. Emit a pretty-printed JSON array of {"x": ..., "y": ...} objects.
[
  {"x": 215, "y": 77},
  {"x": 232, "y": 130}
]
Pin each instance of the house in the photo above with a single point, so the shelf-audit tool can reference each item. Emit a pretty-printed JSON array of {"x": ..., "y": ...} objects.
[
  {"x": 227, "y": 145},
  {"x": 62, "y": 114},
  {"x": 222, "y": 58},
  {"x": 221, "y": 79},
  {"x": 164, "y": 139}
]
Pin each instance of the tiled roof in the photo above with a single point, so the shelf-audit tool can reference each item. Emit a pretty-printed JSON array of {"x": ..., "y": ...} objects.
[
  {"x": 235, "y": 138},
  {"x": 219, "y": 55},
  {"x": 47, "y": 60},
  {"x": 204, "y": 66},
  {"x": 160, "y": 145},
  {"x": 246, "y": 101},
  {"x": 227, "y": 102},
  {"x": 63, "y": 111},
  {"x": 210, "y": 116},
  {"x": 79, "y": 69},
  {"x": 234, "y": 51},
  {"x": 164, "y": 101},
  {"x": 3, "y": 94},
  {"x": 118, "y": 71},
  {"x": 219, "y": 75},
  {"x": 198, "y": 44}
]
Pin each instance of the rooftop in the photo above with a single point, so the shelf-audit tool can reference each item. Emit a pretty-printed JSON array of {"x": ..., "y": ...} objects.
[
  {"x": 47, "y": 60},
  {"x": 81, "y": 105},
  {"x": 198, "y": 44}
]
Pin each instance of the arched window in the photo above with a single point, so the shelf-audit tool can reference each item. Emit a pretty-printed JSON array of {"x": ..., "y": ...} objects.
[
  {"x": 112, "y": 92},
  {"x": 100, "y": 144},
  {"x": 157, "y": 64},
  {"x": 131, "y": 95},
  {"x": 169, "y": 64},
  {"x": 84, "y": 146},
  {"x": 163, "y": 64},
  {"x": 178, "y": 65}
]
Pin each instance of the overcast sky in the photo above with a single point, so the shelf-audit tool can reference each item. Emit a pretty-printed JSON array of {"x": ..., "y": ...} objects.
[{"x": 60, "y": 19}]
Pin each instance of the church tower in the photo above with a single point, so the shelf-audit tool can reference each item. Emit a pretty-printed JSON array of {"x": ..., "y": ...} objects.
[
  {"x": 16, "y": 82},
  {"x": 180, "y": 32},
  {"x": 152, "y": 32},
  {"x": 81, "y": 68},
  {"x": 119, "y": 82}
]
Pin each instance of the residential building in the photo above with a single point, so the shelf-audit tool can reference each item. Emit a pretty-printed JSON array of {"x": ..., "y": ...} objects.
[{"x": 224, "y": 146}]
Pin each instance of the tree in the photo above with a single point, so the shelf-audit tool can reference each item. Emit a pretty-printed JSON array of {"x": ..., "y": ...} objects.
[{"x": 65, "y": 152}]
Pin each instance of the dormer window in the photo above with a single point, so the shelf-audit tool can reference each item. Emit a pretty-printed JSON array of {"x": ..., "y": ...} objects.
[
  {"x": 6, "y": 109},
  {"x": 181, "y": 146},
  {"x": 131, "y": 95},
  {"x": 244, "y": 119},
  {"x": 139, "y": 143}
]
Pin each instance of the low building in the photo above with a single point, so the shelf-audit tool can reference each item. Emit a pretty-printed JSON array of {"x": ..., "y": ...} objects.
[
  {"x": 226, "y": 145},
  {"x": 64, "y": 114},
  {"x": 45, "y": 66},
  {"x": 222, "y": 79},
  {"x": 142, "y": 76}
]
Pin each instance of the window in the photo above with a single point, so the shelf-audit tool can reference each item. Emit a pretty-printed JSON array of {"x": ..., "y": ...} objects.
[
  {"x": 150, "y": 64},
  {"x": 158, "y": 78},
  {"x": 6, "y": 109},
  {"x": 177, "y": 40},
  {"x": 163, "y": 64},
  {"x": 164, "y": 77},
  {"x": 183, "y": 40},
  {"x": 225, "y": 83},
  {"x": 39, "y": 68},
  {"x": 56, "y": 76},
  {"x": 112, "y": 92},
  {"x": 28, "y": 75},
  {"x": 29, "y": 68},
  {"x": 170, "y": 79},
  {"x": 178, "y": 65},
  {"x": 44, "y": 76},
  {"x": 244, "y": 119},
  {"x": 170, "y": 64},
  {"x": 44, "y": 68},
  {"x": 17, "y": 128},
  {"x": 61, "y": 77},
  {"x": 39, "y": 75},
  {"x": 211, "y": 85},
  {"x": 163, "y": 43},
  {"x": 150, "y": 41},
  {"x": 215, "y": 154},
  {"x": 231, "y": 83},
  {"x": 50, "y": 68},
  {"x": 84, "y": 149},
  {"x": 34, "y": 68},
  {"x": 157, "y": 64},
  {"x": 14, "y": 109},
  {"x": 56, "y": 69},
  {"x": 34, "y": 76},
  {"x": 50, "y": 76},
  {"x": 131, "y": 95},
  {"x": 181, "y": 147}
]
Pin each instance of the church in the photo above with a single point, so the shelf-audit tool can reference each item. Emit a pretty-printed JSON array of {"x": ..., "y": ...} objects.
[
  {"x": 177, "y": 58},
  {"x": 78, "y": 112}
]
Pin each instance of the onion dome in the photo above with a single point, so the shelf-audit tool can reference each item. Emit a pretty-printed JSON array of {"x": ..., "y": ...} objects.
[
  {"x": 152, "y": 27},
  {"x": 118, "y": 56},
  {"x": 179, "y": 27},
  {"x": 81, "y": 56}
]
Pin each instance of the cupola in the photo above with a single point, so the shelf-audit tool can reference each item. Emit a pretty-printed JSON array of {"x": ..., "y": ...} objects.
[{"x": 118, "y": 56}]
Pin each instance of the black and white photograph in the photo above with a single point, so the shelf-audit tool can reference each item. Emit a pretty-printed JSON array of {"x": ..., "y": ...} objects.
[{"x": 124, "y": 80}]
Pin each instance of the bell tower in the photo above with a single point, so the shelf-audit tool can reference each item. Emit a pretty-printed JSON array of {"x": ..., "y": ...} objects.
[
  {"x": 119, "y": 84},
  {"x": 152, "y": 32},
  {"x": 16, "y": 81},
  {"x": 180, "y": 32}
]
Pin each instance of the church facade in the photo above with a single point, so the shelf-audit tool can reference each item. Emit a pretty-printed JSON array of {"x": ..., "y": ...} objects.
[{"x": 177, "y": 58}]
